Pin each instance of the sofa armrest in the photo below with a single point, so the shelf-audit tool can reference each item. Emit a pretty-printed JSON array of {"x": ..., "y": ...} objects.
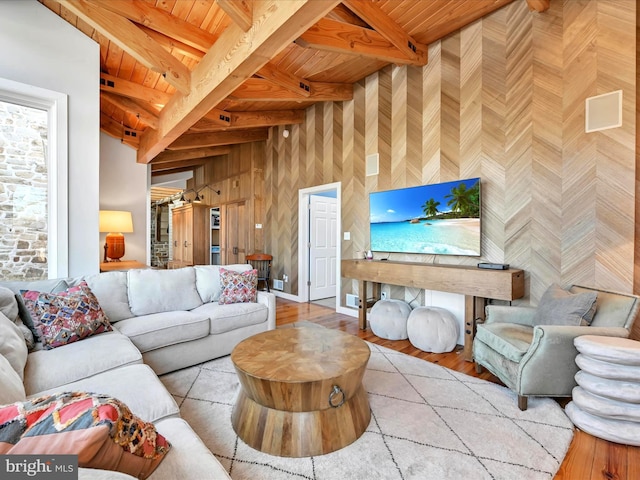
[
  {"x": 506, "y": 314},
  {"x": 549, "y": 365},
  {"x": 269, "y": 299}
]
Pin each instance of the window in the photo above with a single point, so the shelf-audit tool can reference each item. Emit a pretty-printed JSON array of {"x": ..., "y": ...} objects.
[{"x": 33, "y": 182}]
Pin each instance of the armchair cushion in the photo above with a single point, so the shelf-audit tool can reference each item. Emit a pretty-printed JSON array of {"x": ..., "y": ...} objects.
[
  {"x": 560, "y": 307},
  {"x": 509, "y": 339}
]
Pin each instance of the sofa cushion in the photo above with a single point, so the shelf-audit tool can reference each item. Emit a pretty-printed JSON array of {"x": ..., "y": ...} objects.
[
  {"x": 12, "y": 388},
  {"x": 50, "y": 286},
  {"x": 65, "y": 317},
  {"x": 208, "y": 280},
  {"x": 509, "y": 339},
  {"x": 8, "y": 304},
  {"x": 154, "y": 291},
  {"x": 110, "y": 288},
  {"x": 560, "y": 307},
  {"x": 101, "y": 430},
  {"x": 136, "y": 385},
  {"x": 238, "y": 287},
  {"x": 188, "y": 454},
  {"x": 52, "y": 368},
  {"x": 158, "y": 330},
  {"x": 12, "y": 345},
  {"x": 225, "y": 318}
]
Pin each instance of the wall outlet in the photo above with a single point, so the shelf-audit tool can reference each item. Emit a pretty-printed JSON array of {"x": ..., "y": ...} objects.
[
  {"x": 285, "y": 278},
  {"x": 383, "y": 295}
]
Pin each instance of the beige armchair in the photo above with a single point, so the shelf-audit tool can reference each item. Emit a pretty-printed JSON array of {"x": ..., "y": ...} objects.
[{"x": 533, "y": 359}]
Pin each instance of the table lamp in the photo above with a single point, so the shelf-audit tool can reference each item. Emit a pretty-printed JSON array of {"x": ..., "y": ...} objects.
[{"x": 115, "y": 223}]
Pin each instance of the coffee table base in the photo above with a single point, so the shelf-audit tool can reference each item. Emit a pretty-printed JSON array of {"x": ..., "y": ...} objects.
[{"x": 300, "y": 434}]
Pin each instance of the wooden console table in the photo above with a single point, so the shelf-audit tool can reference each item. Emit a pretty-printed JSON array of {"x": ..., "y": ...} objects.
[{"x": 474, "y": 283}]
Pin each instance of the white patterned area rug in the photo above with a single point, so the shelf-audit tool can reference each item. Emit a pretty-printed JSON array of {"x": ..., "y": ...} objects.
[{"x": 428, "y": 422}]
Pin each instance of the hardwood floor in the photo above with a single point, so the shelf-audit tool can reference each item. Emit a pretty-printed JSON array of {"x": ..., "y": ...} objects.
[{"x": 588, "y": 458}]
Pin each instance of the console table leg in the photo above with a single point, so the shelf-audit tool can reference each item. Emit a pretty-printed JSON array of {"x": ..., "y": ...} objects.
[
  {"x": 473, "y": 310},
  {"x": 362, "y": 304}
]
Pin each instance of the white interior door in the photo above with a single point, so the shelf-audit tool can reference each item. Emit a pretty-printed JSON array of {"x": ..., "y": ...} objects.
[{"x": 323, "y": 226}]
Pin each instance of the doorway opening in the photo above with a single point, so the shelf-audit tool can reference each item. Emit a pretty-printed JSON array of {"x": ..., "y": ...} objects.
[{"x": 319, "y": 254}]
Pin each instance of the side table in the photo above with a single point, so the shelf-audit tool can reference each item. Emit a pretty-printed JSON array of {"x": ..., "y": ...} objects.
[
  {"x": 606, "y": 402},
  {"x": 123, "y": 265}
]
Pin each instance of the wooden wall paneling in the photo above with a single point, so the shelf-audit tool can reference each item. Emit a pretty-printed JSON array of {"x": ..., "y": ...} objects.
[
  {"x": 615, "y": 148},
  {"x": 336, "y": 123},
  {"x": 385, "y": 99},
  {"x": 401, "y": 166},
  {"x": 493, "y": 135},
  {"x": 450, "y": 109},
  {"x": 504, "y": 99},
  {"x": 431, "y": 117},
  {"x": 471, "y": 100},
  {"x": 579, "y": 149},
  {"x": 353, "y": 186},
  {"x": 518, "y": 128},
  {"x": 546, "y": 228}
]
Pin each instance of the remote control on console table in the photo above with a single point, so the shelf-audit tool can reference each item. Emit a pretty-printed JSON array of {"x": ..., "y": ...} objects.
[{"x": 494, "y": 266}]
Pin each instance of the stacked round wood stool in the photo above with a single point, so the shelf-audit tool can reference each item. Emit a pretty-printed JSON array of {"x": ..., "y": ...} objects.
[{"x": 606, "y": 402}]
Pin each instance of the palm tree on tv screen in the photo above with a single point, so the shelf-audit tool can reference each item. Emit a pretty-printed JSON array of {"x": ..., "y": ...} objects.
[
  {"x": 465, "y": 202},
  {"x": 430, "y": 207}
]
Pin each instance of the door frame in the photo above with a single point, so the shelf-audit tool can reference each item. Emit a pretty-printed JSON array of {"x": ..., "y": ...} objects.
[{"x": 303, "y": 229}]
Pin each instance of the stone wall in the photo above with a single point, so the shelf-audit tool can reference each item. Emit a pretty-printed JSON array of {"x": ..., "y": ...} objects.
[
  {"x": 159, "y": 236},
  {"x": 23, "y": 193}
]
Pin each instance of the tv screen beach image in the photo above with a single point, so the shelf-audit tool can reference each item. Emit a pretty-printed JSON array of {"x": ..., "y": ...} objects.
[{"x": 441, "y": 218}]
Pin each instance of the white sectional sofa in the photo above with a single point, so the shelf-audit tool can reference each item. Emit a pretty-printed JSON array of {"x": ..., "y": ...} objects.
[{"x": 163, "y": 320}]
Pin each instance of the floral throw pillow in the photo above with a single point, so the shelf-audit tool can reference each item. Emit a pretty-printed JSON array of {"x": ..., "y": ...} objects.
[
  {"x": 238, "y": 287},
  {"x": 65, "y": 317},
  {"x": 101, "y": 430}
]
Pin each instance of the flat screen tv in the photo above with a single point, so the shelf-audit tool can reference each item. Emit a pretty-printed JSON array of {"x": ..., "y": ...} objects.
[{"x": 435, "y": 219}]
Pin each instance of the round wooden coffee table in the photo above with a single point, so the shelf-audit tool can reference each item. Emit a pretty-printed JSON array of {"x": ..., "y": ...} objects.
[{"x": 301, "y": 391}]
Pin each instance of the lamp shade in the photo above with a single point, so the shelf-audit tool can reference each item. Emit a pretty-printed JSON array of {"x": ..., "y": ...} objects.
[{"x": 115, "y": 221}]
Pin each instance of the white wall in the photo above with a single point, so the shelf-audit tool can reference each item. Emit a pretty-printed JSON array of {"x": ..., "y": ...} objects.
[
  {"x": 124, "y": 186},
  {"x": 41, "y": 49}
]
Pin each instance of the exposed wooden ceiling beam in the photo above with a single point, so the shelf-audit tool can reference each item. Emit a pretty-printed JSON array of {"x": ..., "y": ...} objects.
[
  {"x": 539, "y": 5},
  {"x": 285, "y": 79},
  {"x": 235, "y": 57},
  {"x": 214, "y": 139},
  {"x": 173, "y": 45},
  {"x": 252, "y": 120},
  {"x": 260, "y": 90},
  {"x": 240, "y": 11},
  {"x": 133, "y": 41},
  {"x": 145, "y": 115},
  {"x": 173, "y": 170},
  {"x": 343, "y": 14},
  {"x": 161, "y": 21},
  {"x": 388, "y": 28},
  {"x": 126, "y": 135},
  {"x": 218, "y": 117},
  {"x": 125, "y": 88},
  {"x": 163, "y": 167},
  {"x": 334, "y": 36},
  {"x": 179, "y": 155}
]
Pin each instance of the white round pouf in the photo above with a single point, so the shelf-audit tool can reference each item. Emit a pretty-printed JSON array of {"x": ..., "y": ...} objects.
[
  {"x": 388, "y": 319},
  {"x": 432, "y": 329}
]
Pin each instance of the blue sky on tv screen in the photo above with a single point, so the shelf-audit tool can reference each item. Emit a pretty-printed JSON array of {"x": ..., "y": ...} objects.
[{"x": 406, "y": 203}]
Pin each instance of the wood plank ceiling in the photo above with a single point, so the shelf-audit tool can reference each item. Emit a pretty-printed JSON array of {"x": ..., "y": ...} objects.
[{"x": 181, "y": 80}]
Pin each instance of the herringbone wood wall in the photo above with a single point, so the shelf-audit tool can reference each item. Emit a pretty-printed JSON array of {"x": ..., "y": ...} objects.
[{"x": 502, "y": 99}]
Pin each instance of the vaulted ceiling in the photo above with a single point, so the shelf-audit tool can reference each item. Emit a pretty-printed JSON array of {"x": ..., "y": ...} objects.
[{"x": 182, "y": 80}]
